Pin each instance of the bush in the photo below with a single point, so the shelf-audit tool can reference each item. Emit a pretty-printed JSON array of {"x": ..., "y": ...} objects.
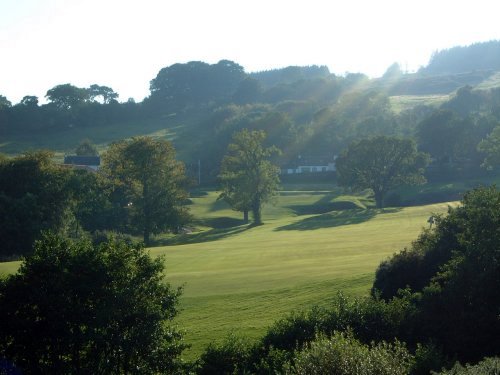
[
  {"x": 369, "y": 319},
  {"x": 232, "y": 356},
  {"x": 453, "y": 271},
  {"x": 342, "y": 354},
  {"x": 488, "y": 366}
]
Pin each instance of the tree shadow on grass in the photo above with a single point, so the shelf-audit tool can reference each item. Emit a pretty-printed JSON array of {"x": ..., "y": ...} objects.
[
  {"x": 336, "y": 219},
  {"x": 322, "y": 206},
  {"x": 219, "y": 204},
  {"x": 206, "y": 236},
  {"x": 222, "y": 222}
]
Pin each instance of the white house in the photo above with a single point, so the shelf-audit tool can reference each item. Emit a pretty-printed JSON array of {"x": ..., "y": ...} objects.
[{"x": 310, "y": 165}]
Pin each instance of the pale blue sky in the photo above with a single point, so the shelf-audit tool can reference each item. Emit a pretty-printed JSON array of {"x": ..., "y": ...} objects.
[{"x": 124, "y": 43}]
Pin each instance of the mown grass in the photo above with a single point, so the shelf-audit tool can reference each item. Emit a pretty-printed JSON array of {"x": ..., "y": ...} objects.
[
  {"x": 247, "y": 277},
  {"x": 239, "y": 278},
  {"x": 401, "y": 103}
]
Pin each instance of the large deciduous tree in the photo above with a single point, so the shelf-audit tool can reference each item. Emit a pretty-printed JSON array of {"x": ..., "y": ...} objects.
[
  {"x": 150, "y": 181},
  {"x": 248, "y": 177},
  {"x": 67, "y": 96},
  {"x": 106, "y": 93},
  {"x": 381, "y": 164},
  {"x": 74, "y": 308},
  {"x": 195, "y": 83}
]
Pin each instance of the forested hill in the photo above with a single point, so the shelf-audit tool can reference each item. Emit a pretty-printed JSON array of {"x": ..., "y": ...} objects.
[
  {"x": 462, "y": 59},
  {"x": 448, "y": 107}
]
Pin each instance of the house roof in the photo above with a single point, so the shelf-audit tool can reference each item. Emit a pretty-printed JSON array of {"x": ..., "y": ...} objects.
[{"x": 82, "y": 160}]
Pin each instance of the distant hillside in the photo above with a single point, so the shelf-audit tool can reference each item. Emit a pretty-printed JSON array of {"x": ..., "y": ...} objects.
[
  {"x": 304, "y": 110},
  {"x": 418, "y": 84},
  {"x": 461, "y": 59},
  {"x": 290, "y": 74}
]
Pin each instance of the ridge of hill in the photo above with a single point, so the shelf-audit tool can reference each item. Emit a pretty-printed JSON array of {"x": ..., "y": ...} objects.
[{"x": 303, "y": 109}]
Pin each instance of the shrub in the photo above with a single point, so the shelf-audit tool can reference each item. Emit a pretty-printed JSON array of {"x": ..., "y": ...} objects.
[
  {"x": 488, "y": 366},
  {"x": 232, "y": 356},
  {"x": 342, "y": 354}
]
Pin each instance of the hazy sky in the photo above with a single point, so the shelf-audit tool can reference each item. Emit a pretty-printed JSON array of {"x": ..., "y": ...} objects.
[{"x": 124, "y": 43}]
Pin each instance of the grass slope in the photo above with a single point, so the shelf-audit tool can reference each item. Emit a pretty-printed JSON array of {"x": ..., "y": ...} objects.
[
  {"x": 241, "y": 279},
  {"x": 246, "y": 278}
]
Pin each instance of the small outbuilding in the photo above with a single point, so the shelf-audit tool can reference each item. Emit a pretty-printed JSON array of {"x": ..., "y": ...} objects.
[{"x": 83, "y": 162}]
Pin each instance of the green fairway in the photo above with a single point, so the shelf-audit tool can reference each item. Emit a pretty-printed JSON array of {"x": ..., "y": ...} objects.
[{"x": 241, "y": 279}]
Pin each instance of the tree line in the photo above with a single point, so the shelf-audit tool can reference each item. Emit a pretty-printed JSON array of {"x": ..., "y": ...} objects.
[{"x": 303, "y": 110}]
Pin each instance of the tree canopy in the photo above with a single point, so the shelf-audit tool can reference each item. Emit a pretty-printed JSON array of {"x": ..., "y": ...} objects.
[
  {"x": 86, "y": 148},
  {"x": 491, "y": 147},
  {"x": 247, "y": 176},
  {"x": 34, "y": 196},
  {"x": 73, "y": 308},
  {"x": 453, "y": 270},
  {"x": 381, "y": 164},
  {"x": 150, "y": 183},
  {"x": 67, "y": 96}
]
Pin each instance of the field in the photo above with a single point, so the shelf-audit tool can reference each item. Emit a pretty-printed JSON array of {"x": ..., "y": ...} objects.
[
  {"x": 400, "y": 103},
  {"x": 313, "y": 243},
  {"x": 242, "y": 279}
]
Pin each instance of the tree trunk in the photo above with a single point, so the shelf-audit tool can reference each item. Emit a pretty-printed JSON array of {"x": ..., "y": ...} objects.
[
  {"x": 257, "y": 218},
  {"x": 379, "y": 199},
  {"x": 245, "y": 216},
  {"x": 146, "y": 237},
  {"x": 146, "y": 212}
]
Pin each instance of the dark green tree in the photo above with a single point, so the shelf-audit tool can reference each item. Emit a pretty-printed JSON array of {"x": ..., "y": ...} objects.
[
  {"x": 30, "y": 101},
  {"x": 151, "y": 182},
  {"x": 195, "y": 83},
  {"x": 381, "y": 164},
  {"x": 453, "y": 270},
  {"x": 443, "y": 135},
  {"x": 77, "y": 309},
  {"x": 491, "y": 147},
  {"x": 34, "y": 196},
  {"x": 86, "y": 148},
  {"x": 106, "y": 93},
  {"x": 247, "y": 176},
  {"x": 67, "y": 96},
  {"x": 248, "y": 91},
  {"x": 4, "y": 102}
]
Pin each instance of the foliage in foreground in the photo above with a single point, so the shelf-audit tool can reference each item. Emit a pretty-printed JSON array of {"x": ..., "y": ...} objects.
[
  {"x": 488, "y": 366},
  {"x": 34, "y": 196},
  {"x": 342, "y": 354},
  {"x": 454, "y": 271},
  {"x": 94, "y": 310}
]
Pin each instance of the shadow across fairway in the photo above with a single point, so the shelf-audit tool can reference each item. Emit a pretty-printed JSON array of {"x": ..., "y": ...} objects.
[
  {"x": 322, "y": 206},
  {"x": 222, "y": 222},
  {"x": 219, "y": 204},
  {"x": 206, "y": 236},
  {"x": 336, "y": 219}
]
